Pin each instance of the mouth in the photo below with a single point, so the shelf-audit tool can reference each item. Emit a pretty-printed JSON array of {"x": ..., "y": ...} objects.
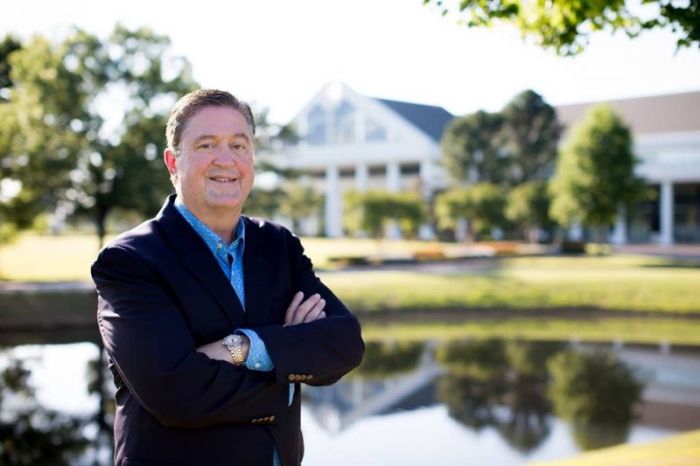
[{"x": 223, "y": 179}]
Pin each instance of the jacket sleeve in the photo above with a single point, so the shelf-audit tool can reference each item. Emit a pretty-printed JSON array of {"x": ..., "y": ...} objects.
[
  {"x": 320, "y": 352},
  {"x": 150, "y": 342}
]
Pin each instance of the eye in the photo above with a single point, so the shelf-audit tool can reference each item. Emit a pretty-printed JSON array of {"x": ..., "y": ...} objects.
[
  {"x": 239, "y": 146},
  {"x": 205, "y": 145}
]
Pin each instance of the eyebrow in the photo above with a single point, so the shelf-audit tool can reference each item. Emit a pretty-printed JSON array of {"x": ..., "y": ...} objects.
[{"x": 214, "y": 136}]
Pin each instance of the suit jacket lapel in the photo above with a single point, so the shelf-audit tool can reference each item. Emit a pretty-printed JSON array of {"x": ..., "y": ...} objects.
[
  {"x": 196, "y": 257},
  {"x": 257, "y": 271}
]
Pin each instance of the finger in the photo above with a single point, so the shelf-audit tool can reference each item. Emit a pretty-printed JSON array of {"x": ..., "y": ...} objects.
[
  {"x": 304, "y": 308},
  {"x": 296, "y": 300},
  {"x": 315, "y": 313}
]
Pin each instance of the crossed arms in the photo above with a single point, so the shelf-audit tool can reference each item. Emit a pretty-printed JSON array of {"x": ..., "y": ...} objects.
[{"x": 149, "y": 338}]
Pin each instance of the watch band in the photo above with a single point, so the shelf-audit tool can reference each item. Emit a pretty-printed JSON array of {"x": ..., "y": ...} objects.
[{"x": 234, "y": 345}]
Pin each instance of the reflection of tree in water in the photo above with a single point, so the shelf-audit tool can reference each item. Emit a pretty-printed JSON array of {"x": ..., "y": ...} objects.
[
  {"x": 29, "y": 433},
  {"x": 595, "y": 392},
  {"x": 389, "y": 358},
  {"x": 485, "y": 376},
  {"x": 470, "y": 401}
]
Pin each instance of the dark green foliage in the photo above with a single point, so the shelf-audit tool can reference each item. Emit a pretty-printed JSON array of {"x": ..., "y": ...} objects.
[
  {"x": 592, "y": 387},
  {"x": 531, "y": 134},
  {"x": 371, "y": 211},
  {"x": 478, "y": 359},
  {"x": 85, "y": 122},
  {"x": 565, "y": 26},
  {"x": 595, "y": 176},
  {"x": 383, "y": 359},
  {"x": 472, "y": 148},
  {"x": 528, "y": 206},
  {"x": 482, "y": 203}
]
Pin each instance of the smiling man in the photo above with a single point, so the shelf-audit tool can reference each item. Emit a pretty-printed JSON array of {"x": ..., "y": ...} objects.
[{"x": 212, "y": 319}]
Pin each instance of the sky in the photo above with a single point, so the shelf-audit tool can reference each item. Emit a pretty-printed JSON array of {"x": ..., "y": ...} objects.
[{"x": 279, "y": 54}]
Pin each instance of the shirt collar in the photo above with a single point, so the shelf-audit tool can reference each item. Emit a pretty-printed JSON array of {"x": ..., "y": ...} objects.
[{"x": 214, "y": 241}]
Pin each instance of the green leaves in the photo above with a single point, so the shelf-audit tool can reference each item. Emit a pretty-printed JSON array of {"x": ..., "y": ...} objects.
[
  {"x": 87, "y": 120},
  {"x": 565, "y": 26},
  {"x": 595, "y": 171}
]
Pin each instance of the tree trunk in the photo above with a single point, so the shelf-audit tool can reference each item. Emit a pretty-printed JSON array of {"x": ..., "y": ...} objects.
[{"x": 101, "y": 212}]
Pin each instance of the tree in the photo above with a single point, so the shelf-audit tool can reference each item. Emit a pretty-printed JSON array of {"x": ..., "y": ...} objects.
[
  {"x": 299, "y": 202},
  {"x": 40, "y": 140},
  {"x": 528, "y": 208},
  {"x": 371, "y": 211},
  {"x": 123, "y": 167},
  {"x": 91, "y": 116},
  {"x": 566, "y": 26},
  {"x": 483, "y": 204},
  {"x": 594, "y": 175},
  {"x": 509, "y": 147},
  {"x": 472, "y": 148},
  {"x": 531, "y": 134},
  {"x": 7, "y": 46}
]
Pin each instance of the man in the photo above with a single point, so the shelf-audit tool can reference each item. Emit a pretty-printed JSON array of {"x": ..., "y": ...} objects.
[{"x": 212, "y": 319}]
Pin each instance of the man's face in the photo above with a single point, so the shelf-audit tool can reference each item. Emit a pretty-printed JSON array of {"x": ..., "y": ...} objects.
[{"x": 215, "y": 165}]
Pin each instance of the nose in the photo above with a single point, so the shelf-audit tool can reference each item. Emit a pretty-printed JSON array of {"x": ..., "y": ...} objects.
[{"x": 225, "y": 156}]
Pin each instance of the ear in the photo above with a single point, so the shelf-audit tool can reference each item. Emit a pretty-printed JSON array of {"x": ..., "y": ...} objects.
[{"x": 170, "y": 161}]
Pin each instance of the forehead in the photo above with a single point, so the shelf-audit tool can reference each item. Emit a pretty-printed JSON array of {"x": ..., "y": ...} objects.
[{"x": 216, "y": 121}]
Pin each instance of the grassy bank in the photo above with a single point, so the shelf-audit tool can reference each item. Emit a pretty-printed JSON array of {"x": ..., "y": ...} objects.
[
  {"x": 613, "y": 283},
  {"x": 644, "y": 331},
  {"x": 679, "y": 450}
]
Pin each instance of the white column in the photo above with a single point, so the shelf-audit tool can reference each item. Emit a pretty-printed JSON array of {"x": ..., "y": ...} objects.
[
  {"x": 619, "y": 234},
  {"x": 426, "y": 181},
  {"x": 666, "y": 209},
  {"x": 393, "y": 184},
  {"x": 361, "y": 177},
  {"x": 393, "y": 177},
  {"x": 333, "y": 207}
]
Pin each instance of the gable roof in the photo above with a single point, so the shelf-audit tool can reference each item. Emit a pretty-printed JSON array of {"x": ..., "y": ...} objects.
[{"x": 428, "y": 118}]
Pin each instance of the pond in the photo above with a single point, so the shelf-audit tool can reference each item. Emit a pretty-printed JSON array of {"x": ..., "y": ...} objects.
[{"x": 482, "y": 402}]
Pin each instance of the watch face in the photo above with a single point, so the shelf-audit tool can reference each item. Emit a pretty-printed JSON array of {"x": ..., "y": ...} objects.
[{"x": 231, "y": 340}]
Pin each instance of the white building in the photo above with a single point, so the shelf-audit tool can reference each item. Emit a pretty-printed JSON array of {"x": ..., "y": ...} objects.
[
  {"x": 351, "y": 141},
  {"x": 666, "y": 132}
]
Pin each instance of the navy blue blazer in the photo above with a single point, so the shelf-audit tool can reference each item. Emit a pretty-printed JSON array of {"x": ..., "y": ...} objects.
[{"x": 161, "y": 295}]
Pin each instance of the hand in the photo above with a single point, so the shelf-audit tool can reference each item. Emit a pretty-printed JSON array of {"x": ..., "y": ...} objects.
[
  {"x": 217, "y": 350},
  {"x": 300, "y": 312}
]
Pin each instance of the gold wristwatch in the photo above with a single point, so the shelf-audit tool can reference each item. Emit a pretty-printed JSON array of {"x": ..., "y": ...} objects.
[{"x": 234, "y": 345}]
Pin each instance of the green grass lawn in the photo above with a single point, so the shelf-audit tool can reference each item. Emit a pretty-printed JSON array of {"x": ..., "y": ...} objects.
[
  {"x": 535, "y": 283},
  {"x": 48, "y": 258},
  {"x": 612, "y": 282}
]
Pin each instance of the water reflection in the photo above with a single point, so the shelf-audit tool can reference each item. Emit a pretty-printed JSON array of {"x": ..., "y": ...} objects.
[
  {"x": 31, "y": 434},
  {"x": 596, "y": 393},
  {"x": 492, "y": 383},
  {"x": 517, "y": 392}
]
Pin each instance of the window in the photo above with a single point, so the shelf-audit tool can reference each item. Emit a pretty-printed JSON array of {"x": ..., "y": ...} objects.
[
  {"x": 317, "y": 126},
  {"x": 345, "y": 123},
  {"x": 374, "y": 132}
]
